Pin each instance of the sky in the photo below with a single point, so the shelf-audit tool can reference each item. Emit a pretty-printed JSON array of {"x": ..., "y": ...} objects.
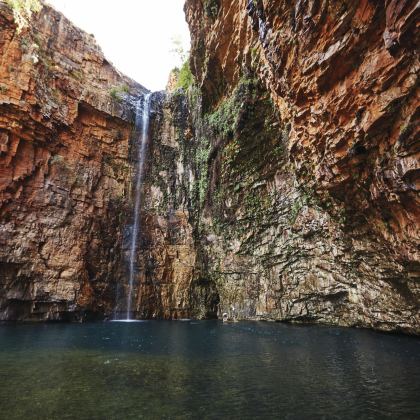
[{"x": 135, "y": 35}]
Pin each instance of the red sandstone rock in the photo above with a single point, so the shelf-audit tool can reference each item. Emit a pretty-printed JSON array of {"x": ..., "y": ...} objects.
[
  {"x": 308, "y": 211},
  {"x": 343, "y": 76},
  {"x": 64, "y": 170}
]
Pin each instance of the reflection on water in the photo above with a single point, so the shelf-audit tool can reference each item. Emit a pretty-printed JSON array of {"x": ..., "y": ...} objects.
[{"x": 205, "y": 370}]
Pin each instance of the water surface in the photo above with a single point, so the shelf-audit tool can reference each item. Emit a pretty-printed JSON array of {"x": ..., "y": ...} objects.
[{"x": 209, "y": 370}]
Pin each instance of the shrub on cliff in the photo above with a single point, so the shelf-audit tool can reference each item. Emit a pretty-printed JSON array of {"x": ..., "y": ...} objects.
[
  {"x": 117, "y": 92},
  {"x": 180, "y": 78},
  {"x": 185, "y": 77},
  {"x": 22, "y": 11}
]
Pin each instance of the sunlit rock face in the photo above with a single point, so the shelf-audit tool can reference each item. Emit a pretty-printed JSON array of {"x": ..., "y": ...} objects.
[
  {"x": 311, "y": 209},
  {"x": 64, "y": 171}
]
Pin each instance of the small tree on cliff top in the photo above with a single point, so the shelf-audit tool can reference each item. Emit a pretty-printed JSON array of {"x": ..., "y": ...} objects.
[{"x": 184, "y": 77}]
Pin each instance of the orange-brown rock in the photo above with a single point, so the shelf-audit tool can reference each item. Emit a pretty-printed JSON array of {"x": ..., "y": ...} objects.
[
  {"x": 343, "y": 77},
  {"x": 283, "y": 186},
  {"x": 67, "y": 143},
  {"x": 344, "y": 74},
  {"x": 64, "y": 170}
]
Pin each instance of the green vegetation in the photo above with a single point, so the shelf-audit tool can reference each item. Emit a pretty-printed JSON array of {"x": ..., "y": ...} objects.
[
  {"x": 225, "y": 119},
  {"x": 56, "y": 159},
  {"x": 255, "y": 55},
  {"x": 25, "y": 42},
  {"x": 117, "y": 92},
  {"x": 211, "y": 8},
  {"x": 202, "y": 157},
  {"x": 247, "y": 148},
  {"x": 119, "y": 167},
  {"x": 405, "y": 131},
  {"x": 77, "y": 74},
  {"x": 299, "y": 203},
  {"x": 22, "y": 11},
  {"x": 64, "y": 167},
  {"x": 185, "y": 79},
  {"x": 248, "y": 124}
]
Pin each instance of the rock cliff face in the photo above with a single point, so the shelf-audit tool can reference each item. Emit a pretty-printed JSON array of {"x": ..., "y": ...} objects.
[
  {"x": 169, "y": 282},
  {"x": 309, "y": 120},
  {"x": 64, "y": 170},
  {"x": 282, "y": 186}
]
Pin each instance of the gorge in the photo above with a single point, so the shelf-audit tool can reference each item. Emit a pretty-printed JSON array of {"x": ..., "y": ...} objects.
[{"x": 281, "y": 185}]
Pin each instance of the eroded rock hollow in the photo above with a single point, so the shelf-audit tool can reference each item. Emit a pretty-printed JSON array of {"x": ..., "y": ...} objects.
[{"x": 282, "y": 185}]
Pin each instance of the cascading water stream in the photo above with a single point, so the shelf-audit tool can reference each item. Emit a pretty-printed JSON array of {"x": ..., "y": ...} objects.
[{"x": 142, "y": 120}]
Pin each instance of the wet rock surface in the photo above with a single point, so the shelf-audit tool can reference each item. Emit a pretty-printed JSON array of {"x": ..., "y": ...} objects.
[{"x": 169, "y": 283}]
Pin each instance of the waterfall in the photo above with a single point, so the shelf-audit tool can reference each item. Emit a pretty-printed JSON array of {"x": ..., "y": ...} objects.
[{"x": 142, "y": 121}]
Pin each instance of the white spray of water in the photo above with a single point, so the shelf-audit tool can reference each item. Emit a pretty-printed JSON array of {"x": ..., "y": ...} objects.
[{"x": 145, "y": 114}]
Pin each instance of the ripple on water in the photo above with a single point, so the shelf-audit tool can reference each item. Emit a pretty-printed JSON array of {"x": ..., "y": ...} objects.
[{"x": 206, "y": 369}]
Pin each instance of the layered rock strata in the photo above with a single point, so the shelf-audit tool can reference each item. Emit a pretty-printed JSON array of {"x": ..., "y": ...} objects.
[
  {"x": 282, "y": 186},
  {"x": 64, "y": 170},
  {"x": 311, "y": 204}
]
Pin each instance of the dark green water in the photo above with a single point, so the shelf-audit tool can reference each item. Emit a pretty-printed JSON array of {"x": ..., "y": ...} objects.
[{"x": 200, "y": 370}]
